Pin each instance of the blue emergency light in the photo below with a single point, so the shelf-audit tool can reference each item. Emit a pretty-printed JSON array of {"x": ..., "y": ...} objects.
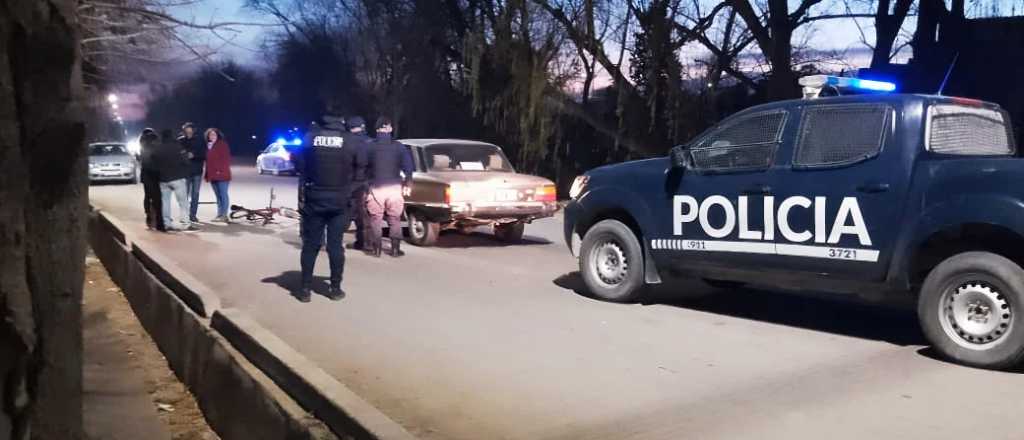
[
  {"x": 813, "y": 84},
  {"x": 280, "y": 141},
  {"x": 296, "y": 141}
]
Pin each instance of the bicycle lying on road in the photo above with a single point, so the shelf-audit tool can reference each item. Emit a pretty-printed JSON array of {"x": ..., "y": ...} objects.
[{"x": 263, "y": 216}]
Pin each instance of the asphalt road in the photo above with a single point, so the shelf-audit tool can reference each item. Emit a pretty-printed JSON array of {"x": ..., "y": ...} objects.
[{"x": 475, "y": 339}]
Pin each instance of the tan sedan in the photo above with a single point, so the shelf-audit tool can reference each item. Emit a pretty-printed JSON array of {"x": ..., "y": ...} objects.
[{"x": 461, "y": 184}]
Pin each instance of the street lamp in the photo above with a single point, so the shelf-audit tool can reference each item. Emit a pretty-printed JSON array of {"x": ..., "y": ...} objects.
[
  {"x": 112, "y": 98},
  {"x": 113, "y": 106}
]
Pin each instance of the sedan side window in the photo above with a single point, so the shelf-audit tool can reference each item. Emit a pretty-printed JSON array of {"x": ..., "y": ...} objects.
[{"x": 746, "y": 143}]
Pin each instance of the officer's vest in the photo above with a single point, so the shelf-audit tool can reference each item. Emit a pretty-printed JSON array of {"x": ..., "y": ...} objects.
[{"x": 327, "y": 162}]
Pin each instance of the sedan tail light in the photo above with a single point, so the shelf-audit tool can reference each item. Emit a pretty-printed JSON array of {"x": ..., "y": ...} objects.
[{"x": 546, "y": 193}]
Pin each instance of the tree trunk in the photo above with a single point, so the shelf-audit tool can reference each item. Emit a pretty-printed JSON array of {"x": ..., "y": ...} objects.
[
  {"x": 782, "y": 83},
  {"x": 42, "y": 228},
  {"x": 887, "y": 28}
]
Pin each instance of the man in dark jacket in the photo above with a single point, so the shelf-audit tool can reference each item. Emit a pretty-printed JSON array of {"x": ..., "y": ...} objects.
[
  {"x": 172, "y": 163},
  {"x": 327, "y": 167},
  {"x": 149, "y": 141},
  {"x": 392, "y": 167},
  {"x": 195, "y": 145},
  {"x": 357, "y": 140}
]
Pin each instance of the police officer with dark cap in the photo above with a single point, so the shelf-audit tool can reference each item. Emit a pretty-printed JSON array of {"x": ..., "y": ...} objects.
[
  {"x": 329, "y": 166},
  {"x": 360, "y": 142}
]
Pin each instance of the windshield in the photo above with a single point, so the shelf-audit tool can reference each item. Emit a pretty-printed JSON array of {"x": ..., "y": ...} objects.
[
  {"x": 107, "y": 150},
  {"x": 466, "y": 157}
]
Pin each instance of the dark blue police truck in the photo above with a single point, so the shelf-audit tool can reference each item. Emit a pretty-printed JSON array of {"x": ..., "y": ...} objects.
[{"x": 883, "y": 196}]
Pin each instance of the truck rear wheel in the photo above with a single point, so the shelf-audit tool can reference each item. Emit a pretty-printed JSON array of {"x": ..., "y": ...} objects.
[
  {"x": 510, "y": 232},
  {"x": 421, "y": 231},
  {"x": 970, "y": 310},
  {"x": 611, "y": 262}
]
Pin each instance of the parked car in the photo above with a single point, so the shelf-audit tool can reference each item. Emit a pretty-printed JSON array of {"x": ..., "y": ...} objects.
[
  {"x": 912, "y": 199},
  {"x": 276, "y": 159},
  {"x": 461, "y": 184},
  {"x": 111, "y": 161}
]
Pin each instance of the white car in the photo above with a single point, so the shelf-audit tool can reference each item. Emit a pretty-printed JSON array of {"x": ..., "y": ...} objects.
[
  {"x": 276, "y": 159},
  {"x": 111, "y": 161}
]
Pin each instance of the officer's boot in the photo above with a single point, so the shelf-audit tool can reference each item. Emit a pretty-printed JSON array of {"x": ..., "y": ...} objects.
[
  {"x": 396, "y": 248},
  {"x": 375, "y": 248},
  {"x": 305, "y": 294}
]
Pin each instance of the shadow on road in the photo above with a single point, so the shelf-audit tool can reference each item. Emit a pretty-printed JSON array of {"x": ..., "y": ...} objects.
[
  {"x": 829, "y": 314},
  {"x": 455, "y": 240},
  {"x": 291, "y": 281},
  {"x": 236, "y": 228}
]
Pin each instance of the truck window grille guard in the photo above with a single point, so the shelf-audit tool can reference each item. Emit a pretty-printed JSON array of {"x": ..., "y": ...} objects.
[
  {"x": 841, "y": 134},
  {"x": 961, "y": 130}
]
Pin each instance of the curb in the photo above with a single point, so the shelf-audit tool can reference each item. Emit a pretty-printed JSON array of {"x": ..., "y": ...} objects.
[
  {"x": 194, "y": 293},
  {"x": 256, "y": 389},
  {"x": 329, "y": 400}
]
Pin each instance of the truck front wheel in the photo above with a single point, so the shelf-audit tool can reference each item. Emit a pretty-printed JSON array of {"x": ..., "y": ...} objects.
[
  {"x": 611, "y": 262},
  {"x": 970, "y": 310}
]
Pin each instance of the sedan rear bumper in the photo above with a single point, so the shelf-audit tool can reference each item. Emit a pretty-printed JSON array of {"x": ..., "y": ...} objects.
[{"x": 487, "y": 212}]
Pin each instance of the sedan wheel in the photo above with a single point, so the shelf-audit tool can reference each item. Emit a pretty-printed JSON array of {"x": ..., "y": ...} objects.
[{"x": 421, "y": 231}]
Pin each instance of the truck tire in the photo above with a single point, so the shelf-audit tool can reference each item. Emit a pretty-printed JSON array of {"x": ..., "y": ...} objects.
[
  {"x": 612, "y": 263},
  {"x": 510, "y": 232},
  {"x": 421, "y": 231},
  {"x": 970, "y": 308}
]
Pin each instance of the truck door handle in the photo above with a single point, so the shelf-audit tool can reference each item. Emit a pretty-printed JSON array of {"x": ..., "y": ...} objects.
[
  {"x": 873, "y": 187},
  {"x": 757, "y": 190}
]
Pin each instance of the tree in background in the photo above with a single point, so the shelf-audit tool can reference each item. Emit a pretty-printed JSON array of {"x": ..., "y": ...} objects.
[{"x": 240, "y": 107}]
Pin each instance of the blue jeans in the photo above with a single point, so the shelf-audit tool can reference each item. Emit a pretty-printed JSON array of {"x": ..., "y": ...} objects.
[
  {"x": 220, "y": 189},
  {"x": 178, "y": 189},
  {"x": 194, "y": 182}
]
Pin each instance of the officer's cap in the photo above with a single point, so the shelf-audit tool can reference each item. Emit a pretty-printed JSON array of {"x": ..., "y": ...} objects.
[{"x": 355, "y": 122}]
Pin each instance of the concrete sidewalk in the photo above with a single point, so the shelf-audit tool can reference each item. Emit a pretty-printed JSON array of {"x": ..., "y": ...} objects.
[{"x": 129, "y": 393}]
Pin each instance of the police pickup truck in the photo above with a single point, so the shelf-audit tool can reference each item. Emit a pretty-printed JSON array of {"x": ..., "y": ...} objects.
[{"x": 883, "y": 196}]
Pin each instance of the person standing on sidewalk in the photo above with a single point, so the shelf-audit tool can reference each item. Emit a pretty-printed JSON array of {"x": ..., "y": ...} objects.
[
  {"x": 149, "y": 142},
  {"x": 196, "y": 148},
  {"x": 392, "y": 167},
  {"x": 327, "y": 168},
  {"x": 172, "y": 161},
  {"x": 218, "y": 170},
  {"x": 357, "y": 141}
]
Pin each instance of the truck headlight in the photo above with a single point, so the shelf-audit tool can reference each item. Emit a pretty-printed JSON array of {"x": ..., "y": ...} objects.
[{"x": 578, "y": 186}]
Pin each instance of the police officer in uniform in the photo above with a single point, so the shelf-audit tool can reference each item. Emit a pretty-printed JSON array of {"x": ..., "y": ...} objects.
[
  {"x": 328, "y": 168},
  {"x": 358, "y": 141},
  {"x": 392, "y": 168}
]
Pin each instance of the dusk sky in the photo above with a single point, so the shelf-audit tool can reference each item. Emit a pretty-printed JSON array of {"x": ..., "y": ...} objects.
[{"x": 836, "y": 34}]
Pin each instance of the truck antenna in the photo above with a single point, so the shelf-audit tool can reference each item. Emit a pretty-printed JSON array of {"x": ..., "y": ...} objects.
[{"x": 949, "y": 71}]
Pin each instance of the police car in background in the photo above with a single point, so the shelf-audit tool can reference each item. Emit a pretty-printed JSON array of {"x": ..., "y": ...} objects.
[
  {"x": 883, "y": 196},
  {"x": 276, "y": 159}
]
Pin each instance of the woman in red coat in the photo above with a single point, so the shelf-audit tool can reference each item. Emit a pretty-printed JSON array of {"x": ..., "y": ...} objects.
[{"x": 218, "y": 170}]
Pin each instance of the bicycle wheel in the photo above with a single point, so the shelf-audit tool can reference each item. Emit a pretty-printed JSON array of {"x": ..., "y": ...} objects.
[{"x": 291, "y": 213}]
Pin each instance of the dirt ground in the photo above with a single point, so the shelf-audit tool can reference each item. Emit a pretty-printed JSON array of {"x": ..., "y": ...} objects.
[{"x": 119, "y": 352}]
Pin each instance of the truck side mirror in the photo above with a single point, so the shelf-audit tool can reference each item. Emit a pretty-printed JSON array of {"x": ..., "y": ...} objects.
[{"x": 680, "y": 157}]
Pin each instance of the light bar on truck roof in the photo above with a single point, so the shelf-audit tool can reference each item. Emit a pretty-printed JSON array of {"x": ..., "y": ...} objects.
[{"x": 815, "y": 83}]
